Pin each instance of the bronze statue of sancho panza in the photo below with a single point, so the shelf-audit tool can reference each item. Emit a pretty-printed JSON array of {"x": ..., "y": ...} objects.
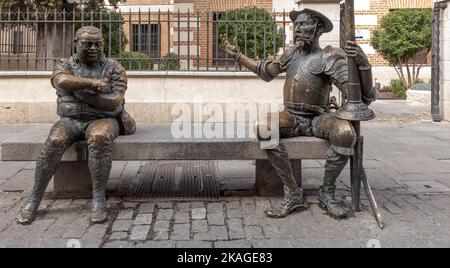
[
  {"x": 310, "y": 73},
  {"x": 90, "y": 90}
]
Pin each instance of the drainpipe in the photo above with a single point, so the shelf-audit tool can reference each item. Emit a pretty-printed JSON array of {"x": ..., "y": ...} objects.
[{"x": 435, "y": 69}]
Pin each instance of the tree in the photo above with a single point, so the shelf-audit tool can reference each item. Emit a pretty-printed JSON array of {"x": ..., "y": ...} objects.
[
  {"x": 54, "y": 40},
  {"x": 255, "y": 29},
  {"x": 402, "y": 36}
]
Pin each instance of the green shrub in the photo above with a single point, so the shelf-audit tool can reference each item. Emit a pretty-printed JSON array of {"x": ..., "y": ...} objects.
[
  {"x": 135, "y": 61},
  {"x": 386, "y": 89},
  {"x": 169, "y": 62},
  {"x": 255, "y": 29},
  {"x": 402, "y": 35},
  {"x": 398, "y": 88},
  {"x": 420, "y": 81}
]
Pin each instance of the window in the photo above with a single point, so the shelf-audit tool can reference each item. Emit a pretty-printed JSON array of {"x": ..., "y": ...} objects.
[{"x": 147, "y": 39}]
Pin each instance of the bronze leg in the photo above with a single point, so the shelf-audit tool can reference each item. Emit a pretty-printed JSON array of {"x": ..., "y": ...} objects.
[
  {"x": 100, "y": 135},
  {"x": 62, "y": 135},
  {"x": 342, "y": 139},
  {"x": 290, "y": 126}
]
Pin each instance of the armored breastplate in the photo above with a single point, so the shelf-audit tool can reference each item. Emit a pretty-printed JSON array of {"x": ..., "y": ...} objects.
[{"x": 307, "y": 89}]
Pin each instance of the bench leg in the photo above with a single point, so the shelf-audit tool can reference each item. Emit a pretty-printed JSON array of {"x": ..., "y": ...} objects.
[
  {"x": 73, "y": 180},
  {"x": 267, "y": 181}
]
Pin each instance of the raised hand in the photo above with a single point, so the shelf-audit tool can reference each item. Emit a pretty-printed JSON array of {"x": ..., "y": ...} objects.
[{"x": 232, "y": 49}]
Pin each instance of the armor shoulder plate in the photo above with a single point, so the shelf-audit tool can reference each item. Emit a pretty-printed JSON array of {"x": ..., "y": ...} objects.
[{"x": 331, "y": 56}]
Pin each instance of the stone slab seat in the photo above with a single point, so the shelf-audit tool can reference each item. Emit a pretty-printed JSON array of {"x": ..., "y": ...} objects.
[{"x": 155, "y": 142}]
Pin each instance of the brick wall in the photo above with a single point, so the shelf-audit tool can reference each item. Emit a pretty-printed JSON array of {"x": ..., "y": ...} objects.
[{"x": 380, "y": 8}]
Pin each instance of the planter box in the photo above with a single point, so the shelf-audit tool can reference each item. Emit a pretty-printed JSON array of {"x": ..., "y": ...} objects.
[{"x": 383, "y": 95}]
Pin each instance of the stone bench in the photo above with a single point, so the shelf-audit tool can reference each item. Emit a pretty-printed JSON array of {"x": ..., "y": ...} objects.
[{"x": 155, "y": 142}]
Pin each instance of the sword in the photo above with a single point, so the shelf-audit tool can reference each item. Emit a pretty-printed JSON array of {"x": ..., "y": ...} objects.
[{"x": 373, "y": 203}]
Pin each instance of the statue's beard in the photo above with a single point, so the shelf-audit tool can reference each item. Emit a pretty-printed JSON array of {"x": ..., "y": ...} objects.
[{"x": 302, "y": 45}]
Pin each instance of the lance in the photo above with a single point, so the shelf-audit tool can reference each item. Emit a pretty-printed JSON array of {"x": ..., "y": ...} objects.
[{"x": 355, "y": 110}]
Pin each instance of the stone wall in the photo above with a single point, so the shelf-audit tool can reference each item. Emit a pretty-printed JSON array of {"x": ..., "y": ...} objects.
[{"x": 150, "y": 98}]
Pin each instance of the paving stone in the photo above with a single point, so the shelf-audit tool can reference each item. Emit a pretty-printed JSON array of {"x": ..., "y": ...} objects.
[
  {"x": 180, "y": 232},
  {"x": 77, "y": 228},
  {"x": 198, "y": 213},
  {"x": 251, "y": 219},
  {"x": 118, "y": 236},
  {"x": 197, "y": 205},
  {"x": 94, "y": 236},
  {"x": 254, "y": 232},
  {"x": 161, "y": 226},
  {"x": 193, "y": 244},
  {"x": 140, "y": 232},
  {"x": 9, "y": 169},
  {"x": 157, "y": 244},
  {"x": 61, "y": 204},
  {"x": 125, "y": 215},
  {"x": 161, "y": 236},
  {"x": 79, "y": 202},
  {"x": 122, "y": 225},
  {"x": 30, "y": 165},
  {"x": 143, "y": 219},
  {"x": 199, "y": 226},
  {"x": 183, "y": 206},
  {"x": 181, "y": 217},
  {"x": 130, "y": 205},
  {"x": 119, "y": 244},
  {"x": 216, "y": 219},
  {"x": 215, "y": 208},
  {"x": 233, "y": 205},
  {"x": 21, "y": 181},
  {"x": 218, "y": 233},
  {"x": 165, "y": 205},
  {"x": 146, "y": 208},
  {"x": 234, "y": 213},
  {"x": 233, "y": 244},
  {"x": 202, "y": 236},
  {"x": 236, "y": 229},
  {"x": 164, "y": 214},
  {"x": 247, "y": 201}
]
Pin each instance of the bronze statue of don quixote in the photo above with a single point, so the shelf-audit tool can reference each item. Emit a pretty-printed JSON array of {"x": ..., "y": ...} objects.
[{"x": 310, "y": 72}]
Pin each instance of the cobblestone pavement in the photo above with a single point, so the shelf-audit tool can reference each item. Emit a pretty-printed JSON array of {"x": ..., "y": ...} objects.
[{"x": 407, "y": 160}]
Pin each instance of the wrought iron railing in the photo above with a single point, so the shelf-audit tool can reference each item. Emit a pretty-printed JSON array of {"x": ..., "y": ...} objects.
[{"x": 143, "y": 41}]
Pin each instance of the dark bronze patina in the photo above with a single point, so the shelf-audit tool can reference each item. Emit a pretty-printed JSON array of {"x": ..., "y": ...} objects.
[
  {"x": 90, "y": 90},
  {"x": 310, "y": 73}
]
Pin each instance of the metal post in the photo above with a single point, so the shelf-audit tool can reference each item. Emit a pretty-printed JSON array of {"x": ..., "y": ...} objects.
[{"x": 435, "y": 68}]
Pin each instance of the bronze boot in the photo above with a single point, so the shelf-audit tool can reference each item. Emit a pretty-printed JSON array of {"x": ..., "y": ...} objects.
[
  {"x": 328, "y": 202},
  {"x": 291, "y": 202},
  {"x": 100, "y": 169},
  {"x": 46, "y": 166},
  {"x": 28, "y": 213}
]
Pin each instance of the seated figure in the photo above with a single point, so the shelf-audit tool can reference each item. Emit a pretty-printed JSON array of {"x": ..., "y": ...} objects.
[
  {"x": 310, "y": 72},
  {"x": 90, "y": 90}
]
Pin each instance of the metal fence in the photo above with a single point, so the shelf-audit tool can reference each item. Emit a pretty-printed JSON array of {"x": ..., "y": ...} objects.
[{"x": 144, "y": 40}]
